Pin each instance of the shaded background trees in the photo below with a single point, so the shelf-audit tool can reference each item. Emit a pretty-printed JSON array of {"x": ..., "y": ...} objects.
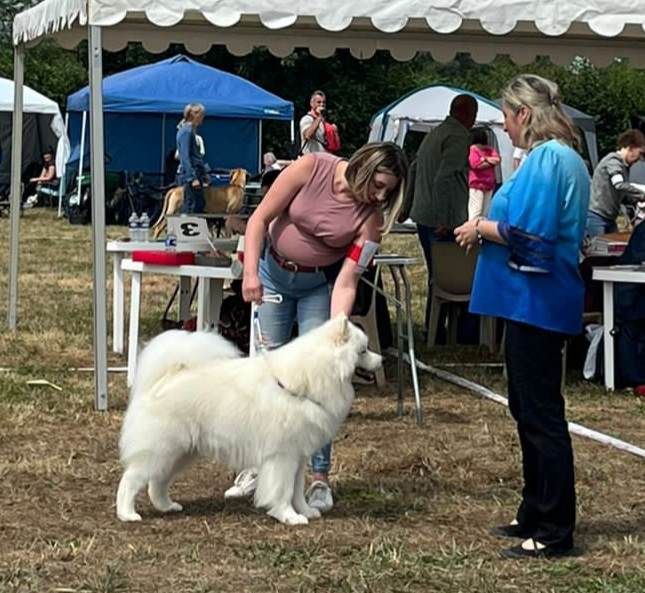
[{"x": 356, "y": 89}]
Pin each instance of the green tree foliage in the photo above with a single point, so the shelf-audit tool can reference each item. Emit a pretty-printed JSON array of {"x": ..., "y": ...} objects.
[
  {"x": 8, "y": 9},
  {"x": 49, "y": 69},
  {"x": 356, "y": 89}
]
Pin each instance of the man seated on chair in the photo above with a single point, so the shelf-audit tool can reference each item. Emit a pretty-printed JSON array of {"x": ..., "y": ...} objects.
[{"x": 47, "y": 178}]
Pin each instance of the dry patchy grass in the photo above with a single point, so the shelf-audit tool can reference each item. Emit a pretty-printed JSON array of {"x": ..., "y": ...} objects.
[{"x": 414, "y": 504}]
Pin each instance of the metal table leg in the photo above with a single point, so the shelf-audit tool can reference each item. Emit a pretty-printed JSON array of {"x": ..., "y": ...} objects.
[
  {"x": 118, "y": 308},
  {"x": 133, "y": 333},
  {"x": 608, "y": 336},
  {"x": 411, "y": 354},
  {"x": 399, "y": 341}
]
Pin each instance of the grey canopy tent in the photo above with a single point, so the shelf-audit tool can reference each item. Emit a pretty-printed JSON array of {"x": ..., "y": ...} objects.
[
  {"x": 600, "y": 30},
  {"x": 587, "y": 124}
]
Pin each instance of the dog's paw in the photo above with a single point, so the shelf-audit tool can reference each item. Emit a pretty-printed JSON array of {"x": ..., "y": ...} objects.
[
  {"x": 129, "y": 517},
  {"x": 295, "y": 519},
  {"x": 287, "y": 516},
  {"x": 174, "y": 507}
]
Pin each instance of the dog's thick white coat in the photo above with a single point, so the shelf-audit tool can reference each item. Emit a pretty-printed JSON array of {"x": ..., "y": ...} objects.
[{"x": 194, "y": 395}]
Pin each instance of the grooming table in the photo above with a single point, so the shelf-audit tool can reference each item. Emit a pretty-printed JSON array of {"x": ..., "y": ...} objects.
[
  {"x": 209, "y": 297},
  {"x": 608, "y": 276},
  {"x": 121, "y": 249}
]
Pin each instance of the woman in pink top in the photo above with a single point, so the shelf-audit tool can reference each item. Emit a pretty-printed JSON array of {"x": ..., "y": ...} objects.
[
  {"x": 481, "y": 178},
  {"x": 314, "y": 220}
]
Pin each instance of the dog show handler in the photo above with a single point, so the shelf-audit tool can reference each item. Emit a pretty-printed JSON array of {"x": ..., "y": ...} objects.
[
  {"x": 317, "y": 218},
  {"x": 191, "y": 172}
]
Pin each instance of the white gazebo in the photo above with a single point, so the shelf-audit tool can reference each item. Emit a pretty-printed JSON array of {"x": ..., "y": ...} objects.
[
  {"x": 43, "y": 126},
  {"x": 600, "y": 30}
]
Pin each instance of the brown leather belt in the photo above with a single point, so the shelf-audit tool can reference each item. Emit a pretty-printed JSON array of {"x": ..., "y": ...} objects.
[{"x": 291, "y": 266}]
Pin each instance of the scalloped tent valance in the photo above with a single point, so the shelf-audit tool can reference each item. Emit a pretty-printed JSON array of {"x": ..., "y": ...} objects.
[{"x": 598, "y": 29}]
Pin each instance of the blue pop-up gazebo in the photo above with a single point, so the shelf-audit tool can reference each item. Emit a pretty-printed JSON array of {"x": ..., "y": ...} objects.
[{"x": 142, "y": 107}]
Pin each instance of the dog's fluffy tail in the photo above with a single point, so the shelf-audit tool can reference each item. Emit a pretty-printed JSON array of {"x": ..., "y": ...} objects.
[{"x": 174, "y": 350}]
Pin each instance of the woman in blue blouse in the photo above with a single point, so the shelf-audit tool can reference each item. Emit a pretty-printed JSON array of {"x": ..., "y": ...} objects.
[
  {"x": 191, "y": 172},
  {"x": 527, "y": 274}
]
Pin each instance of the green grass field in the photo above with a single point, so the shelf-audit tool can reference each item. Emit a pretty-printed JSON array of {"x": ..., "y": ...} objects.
[{"x": 414, "y": 504}]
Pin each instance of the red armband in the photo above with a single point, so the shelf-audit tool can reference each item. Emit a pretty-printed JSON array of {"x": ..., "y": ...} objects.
[
  {"x": 362, "y": 254},
  {"x": 354, "y": 252}
]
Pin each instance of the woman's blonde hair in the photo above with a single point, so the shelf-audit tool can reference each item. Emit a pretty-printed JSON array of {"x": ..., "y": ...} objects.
[
  {"x": 378, "y": 157},
  {"x": 546, "y": 119},
  {"x": 192, "y": 110}
]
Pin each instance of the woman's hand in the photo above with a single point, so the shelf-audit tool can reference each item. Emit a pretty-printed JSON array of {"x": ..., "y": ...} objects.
[
  {"x": 466, "y": 234},
  {"x": 196, "y": 183},
  {"x": 252, "y": 289}
]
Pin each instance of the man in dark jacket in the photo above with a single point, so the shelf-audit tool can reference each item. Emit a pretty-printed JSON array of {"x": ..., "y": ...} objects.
[{"x": 440, "y": 201}]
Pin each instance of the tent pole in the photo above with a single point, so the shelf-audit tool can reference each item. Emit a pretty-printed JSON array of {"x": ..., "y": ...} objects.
[
  {"x": 163, "y": 146},
  {"x": 61, "y": 177},
  {"x": 260, "y": 163},
  {"x": 81, "y": 155},
  {"x": 16, "y": 174},
  {"x": 98, "y": 216}
]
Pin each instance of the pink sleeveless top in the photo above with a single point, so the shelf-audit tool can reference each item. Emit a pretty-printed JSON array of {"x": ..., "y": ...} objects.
[{"x": 317, "y": 227}]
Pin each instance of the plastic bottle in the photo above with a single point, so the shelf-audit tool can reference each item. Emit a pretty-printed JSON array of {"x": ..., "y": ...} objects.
[
  {"x": 144, "y": 227},
  {"x": 171, "y": 241},
  {"x": 133, "y": 227}
]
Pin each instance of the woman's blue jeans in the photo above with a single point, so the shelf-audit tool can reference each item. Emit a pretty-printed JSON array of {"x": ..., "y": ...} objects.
[
  {"x": 306, "y": 299},
  {"x": 599, "y": 225},
  {"x": 193, "y": 199}
]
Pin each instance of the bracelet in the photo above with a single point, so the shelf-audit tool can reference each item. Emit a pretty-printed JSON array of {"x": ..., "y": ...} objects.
[{"x": 480, "y": 239}]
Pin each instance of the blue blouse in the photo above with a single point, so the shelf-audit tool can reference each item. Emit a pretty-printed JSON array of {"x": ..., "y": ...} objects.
[
  {"x": 534, "y": 278},
  {"x": 191, "y": 163}
]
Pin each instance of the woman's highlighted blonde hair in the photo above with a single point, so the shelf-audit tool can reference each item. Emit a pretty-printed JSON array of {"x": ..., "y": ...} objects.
[
  {"x": 378, "y": 157},
  {"x": 546, "y": 119}
]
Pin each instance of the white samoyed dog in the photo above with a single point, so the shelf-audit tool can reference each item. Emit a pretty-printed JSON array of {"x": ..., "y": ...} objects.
[{"x": 195, "y": 395}]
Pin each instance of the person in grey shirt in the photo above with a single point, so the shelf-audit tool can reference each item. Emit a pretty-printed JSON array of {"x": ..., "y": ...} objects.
[
  {"x": 312, "y": 130},
  {"x": 610, "y": 186},
  {"x": 440, "y": 199}
]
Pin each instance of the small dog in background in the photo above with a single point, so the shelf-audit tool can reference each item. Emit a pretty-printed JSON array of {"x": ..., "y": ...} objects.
[
  {"x": 194, "y": 395},
  {"x": 225, "y": 199}
]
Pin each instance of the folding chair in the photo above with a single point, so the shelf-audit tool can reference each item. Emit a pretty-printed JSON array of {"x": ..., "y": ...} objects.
[{"x": 452, "y": 278}]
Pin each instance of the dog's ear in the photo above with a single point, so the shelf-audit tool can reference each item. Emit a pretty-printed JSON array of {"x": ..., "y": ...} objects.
[{"x": 341, "y": 329}]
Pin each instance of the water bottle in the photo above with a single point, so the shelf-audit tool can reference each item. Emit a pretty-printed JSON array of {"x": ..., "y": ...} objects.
[
  {"x": 133, "y": 227},
  {"x": 171, "y": 241},
  {"x": 144, "y": 227}
]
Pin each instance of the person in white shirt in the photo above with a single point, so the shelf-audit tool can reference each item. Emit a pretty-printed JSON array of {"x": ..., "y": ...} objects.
[
  {"x": 519, "y": 155},
  {"x": 312, "y": 128}
]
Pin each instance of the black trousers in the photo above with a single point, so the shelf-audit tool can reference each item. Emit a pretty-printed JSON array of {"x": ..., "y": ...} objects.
[{"x": 534, "y": 367}]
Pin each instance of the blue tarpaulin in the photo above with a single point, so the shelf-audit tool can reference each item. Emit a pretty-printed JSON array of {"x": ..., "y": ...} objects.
[{"x": 143, "y": 106}]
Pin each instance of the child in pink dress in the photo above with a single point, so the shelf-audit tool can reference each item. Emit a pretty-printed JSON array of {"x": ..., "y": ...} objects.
[{"x": 482, "y": 161}]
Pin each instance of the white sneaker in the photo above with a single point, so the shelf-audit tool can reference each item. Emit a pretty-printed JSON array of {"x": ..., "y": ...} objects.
[
  {"x": 30, "y": 202},
  {"x": 319, "y": 496},
  {"x": 244, "y": 484}
]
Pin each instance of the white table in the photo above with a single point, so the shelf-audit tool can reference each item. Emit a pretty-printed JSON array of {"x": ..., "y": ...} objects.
[
  {"x": 209, "y": 296},
  {"x": 608, "y": 276},
  {"x": 119, "y": 250}
]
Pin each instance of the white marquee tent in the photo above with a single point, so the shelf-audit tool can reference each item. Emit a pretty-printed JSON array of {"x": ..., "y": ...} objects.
[
  {"x": 427, "y": 107},
  {"x": 42, "y": 127},
  {"x": 598, "y": 29}
]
